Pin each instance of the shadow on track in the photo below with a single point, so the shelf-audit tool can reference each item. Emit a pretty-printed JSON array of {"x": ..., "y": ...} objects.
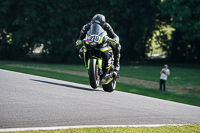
[{"x": 66, "y": 85}]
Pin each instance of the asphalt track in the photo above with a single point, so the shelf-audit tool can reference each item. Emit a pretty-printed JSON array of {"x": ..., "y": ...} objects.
[{"x": 34, "y": 101}]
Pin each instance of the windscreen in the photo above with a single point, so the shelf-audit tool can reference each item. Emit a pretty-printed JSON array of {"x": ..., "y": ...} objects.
[{"x": 96, "y": 29}]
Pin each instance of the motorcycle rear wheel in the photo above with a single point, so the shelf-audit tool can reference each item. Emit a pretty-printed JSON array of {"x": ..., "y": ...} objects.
[
  {"x": 94, "y": 78},
  {"x": 110, "y": 86}
]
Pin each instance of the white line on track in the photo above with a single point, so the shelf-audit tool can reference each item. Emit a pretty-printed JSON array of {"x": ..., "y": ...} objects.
[{"x": 86, "y": 126}]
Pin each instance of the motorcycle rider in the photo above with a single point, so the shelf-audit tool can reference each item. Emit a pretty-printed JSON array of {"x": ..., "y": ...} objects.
[{"x": 100, "y": 19}]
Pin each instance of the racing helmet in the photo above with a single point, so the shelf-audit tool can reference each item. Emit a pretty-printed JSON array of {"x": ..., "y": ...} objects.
[{"x": 99, "y": 19}]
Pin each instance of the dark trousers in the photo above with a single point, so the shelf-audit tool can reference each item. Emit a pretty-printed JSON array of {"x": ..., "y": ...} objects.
[{"x": 162, "y": 83}]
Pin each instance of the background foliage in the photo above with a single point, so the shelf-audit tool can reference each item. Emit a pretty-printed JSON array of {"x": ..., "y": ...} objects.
[
  {"x": 55, "y": 24},
  {"x": 184, "y": 16}
]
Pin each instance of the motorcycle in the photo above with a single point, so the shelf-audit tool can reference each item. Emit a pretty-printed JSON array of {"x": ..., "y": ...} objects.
[{"x": 99, "y": 58}]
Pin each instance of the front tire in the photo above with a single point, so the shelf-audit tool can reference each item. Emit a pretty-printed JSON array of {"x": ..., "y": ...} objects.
[
  {"x": 110, "y": 86},
  {"x": 93, "y": 74}
]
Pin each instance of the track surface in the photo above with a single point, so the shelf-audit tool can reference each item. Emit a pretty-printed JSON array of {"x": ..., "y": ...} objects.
[{"x": 33, "y": 101}]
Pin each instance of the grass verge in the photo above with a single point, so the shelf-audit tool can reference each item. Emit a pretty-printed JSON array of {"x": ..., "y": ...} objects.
[
  {"x": 163, "y": 129},
  {"x": 171, "y": 96}
]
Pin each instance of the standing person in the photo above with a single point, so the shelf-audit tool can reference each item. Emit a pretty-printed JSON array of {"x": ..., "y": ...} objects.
[{"x": 165, "y": 72}]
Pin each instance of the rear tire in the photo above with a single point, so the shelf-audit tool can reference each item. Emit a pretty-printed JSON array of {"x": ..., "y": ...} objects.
[
  {"x": 110, "y": 86},
  {"x": 93, "y": 74}
]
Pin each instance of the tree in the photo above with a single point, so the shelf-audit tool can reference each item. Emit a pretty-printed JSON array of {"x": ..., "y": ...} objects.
[
  {"x": 184, "y": 16},
  {"x": 134, "y": 21},
  {"x": 56, "y": 24}
]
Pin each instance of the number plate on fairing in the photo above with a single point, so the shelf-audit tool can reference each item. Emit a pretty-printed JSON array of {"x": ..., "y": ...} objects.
[{"x": 94, "y": 38}]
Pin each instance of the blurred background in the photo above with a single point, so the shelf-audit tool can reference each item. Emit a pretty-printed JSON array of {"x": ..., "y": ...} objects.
[{"x": 46, "y": 30}]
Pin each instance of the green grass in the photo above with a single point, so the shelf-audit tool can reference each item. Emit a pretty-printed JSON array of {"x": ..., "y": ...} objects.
[
  {"x": 180, "y": 76},
  {"x": 49, "y": 74},
  {"x": 80, "y": 68},
  {"x": 184, "y": 76},
  {"x": 163, "y": 129},
  {"x": 167, "y": 95},
  {"x": 146, "y": 91}
]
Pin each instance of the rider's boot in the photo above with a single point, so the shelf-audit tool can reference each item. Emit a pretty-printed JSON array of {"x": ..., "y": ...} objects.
[
  {"x": 117, "y": 65},
  {"x": 116, "y": 51}
]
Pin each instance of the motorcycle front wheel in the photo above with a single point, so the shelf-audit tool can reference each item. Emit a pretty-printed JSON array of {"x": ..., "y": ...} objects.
[{"x": 93, "y": 74}]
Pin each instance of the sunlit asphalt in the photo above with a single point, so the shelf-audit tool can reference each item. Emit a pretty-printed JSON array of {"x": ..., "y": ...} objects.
[{"x": 33, "y": 101}]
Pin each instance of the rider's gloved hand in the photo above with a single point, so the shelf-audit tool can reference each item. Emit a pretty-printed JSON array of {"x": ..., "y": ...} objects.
[
  {"x": 78, "y": 44},
  {"x": 113, "y": 42}
]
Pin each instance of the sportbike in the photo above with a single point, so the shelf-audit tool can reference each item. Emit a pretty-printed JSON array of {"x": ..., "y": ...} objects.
[{"x": 99, "y": 58}]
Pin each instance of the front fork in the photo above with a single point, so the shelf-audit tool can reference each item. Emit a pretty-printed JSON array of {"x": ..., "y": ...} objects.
[
  {"x": 100, "y": 72},
  {"x": 100, "y": 66}
]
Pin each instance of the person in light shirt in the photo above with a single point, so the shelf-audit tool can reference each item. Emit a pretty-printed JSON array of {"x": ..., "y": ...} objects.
[{"x": 164, "y": 73}]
